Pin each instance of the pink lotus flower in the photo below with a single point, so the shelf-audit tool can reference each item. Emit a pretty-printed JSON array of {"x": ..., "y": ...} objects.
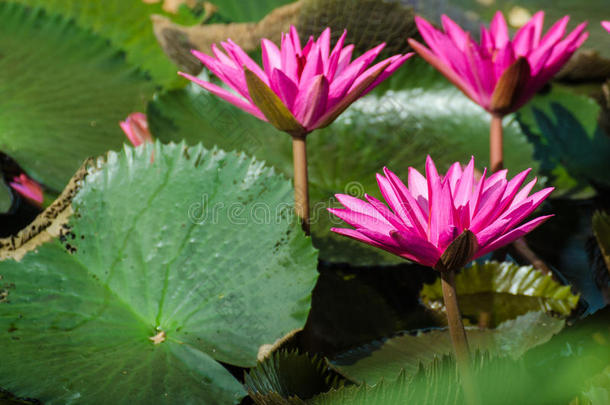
[
  {"x": 606, "y": 25},
  {"x": 136, "y": 128},
  {"x": 424, "y": 218},
  {"x": 28, "y": 188},
  {"x": 299, "y": 88},
  {"x": 499, "y": 74}
]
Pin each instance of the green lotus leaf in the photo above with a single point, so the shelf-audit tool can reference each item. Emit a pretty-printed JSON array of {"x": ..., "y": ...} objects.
[
  {"x": 598, "y": 389},
  {"x": 126, "y": 23},
  {"x": 64, "y": 90},
  {"x": 570, "y": 145},
  {"x": 6, "y": 398},
  {"x": 384, "y": 359},
  {"x": 496, "y": 381},
  {"x": 285, "y": 374},
  {"x": 573, "y": 361},
  {"x": 503, "y": 291},
  {"x": 174, "y": 259},
  {"x": 552, "y": 373}
]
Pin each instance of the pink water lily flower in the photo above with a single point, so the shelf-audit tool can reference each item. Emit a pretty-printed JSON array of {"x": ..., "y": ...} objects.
[
  {"x": 28, "y": 188},
  {"x": 424, "y": 218},
  {"x": 136, "y": 129},
  {"x": 500, "y": 74},
  {"x": 298, "y": 89},
  {"x": 606, "y": 25}
]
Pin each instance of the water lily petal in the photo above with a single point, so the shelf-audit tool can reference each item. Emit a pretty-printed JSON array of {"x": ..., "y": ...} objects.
[
  {"x": 512, "y": 235},
  {"x": 272, "y": 57},
  {"x": 227, "y": 96}
]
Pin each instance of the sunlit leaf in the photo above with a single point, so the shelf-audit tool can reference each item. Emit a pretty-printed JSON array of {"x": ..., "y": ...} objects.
[
  {"x": 174, "y": 259},
  {"x": 503, "y": 291},
  {"x": 385, "y": 358}
]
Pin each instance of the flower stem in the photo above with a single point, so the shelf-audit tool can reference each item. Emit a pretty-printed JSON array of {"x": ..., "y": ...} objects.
[
  {"x": 454, "y": 318},
  {"x": 458, "y": 336},
  {"x": 523, "y": 250},
  {"x": 496, "y": 154},
  {"x": 496, "y": 162},
  {"x": 301, "y": 185}
]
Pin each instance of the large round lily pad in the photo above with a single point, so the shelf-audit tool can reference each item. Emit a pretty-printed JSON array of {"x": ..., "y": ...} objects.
[
  {"x": 64, "y": 90},
  {"x": 174, "y": 258},
  {"x": 126, "y": 23}
]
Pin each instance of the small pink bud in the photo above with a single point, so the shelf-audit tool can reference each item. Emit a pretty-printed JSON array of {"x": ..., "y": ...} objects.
[
  {"x": 136, "y": 128},
  {"x": 28, "y": 188}
]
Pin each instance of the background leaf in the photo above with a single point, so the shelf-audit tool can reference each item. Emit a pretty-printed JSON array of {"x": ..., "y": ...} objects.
[
  {"x": 572, "y": 148},
  {"x": 126, "y": 23},
  {"x": 563, "y": 243},
  {"x": 63, "y": 90},
  {"x": 438, "y": 383},
  {"x": 552, "y": 373},
  {"x": 385, "y": 359},
  {"x": 503, "y": 291},
  {"x": 566, "y": 365},
  {"x": 173, "y": 248},
  {"x": 286, "y": 374}
]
